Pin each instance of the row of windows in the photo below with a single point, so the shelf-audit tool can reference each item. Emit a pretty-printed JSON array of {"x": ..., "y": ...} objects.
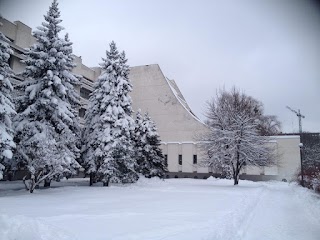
[
  {"x": 195, "y": 177},
  {"x": 195, "y": 159}
]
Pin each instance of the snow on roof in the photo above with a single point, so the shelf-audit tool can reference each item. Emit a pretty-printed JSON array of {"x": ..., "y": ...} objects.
[
  {"x": 174, "y": 88},
  {"x": 286, "y": 137},
  {"x": 185, "y": 142}
]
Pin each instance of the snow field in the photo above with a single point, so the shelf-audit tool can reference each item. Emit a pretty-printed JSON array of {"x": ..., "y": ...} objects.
[{"x": 185, "y": 209}]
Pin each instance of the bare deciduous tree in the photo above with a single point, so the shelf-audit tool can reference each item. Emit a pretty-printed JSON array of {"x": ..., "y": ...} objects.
[
  {"x": 268, "y": 125},
  {"x": 233, "y": 139}
]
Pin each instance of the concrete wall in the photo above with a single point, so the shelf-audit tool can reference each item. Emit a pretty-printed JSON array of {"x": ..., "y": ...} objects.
[
  {"x": 288, "y": 163},
  {"x": 289, "y": 157},
  {"x": 17, "y": 32},
  {"x": 152, "y": 92}
]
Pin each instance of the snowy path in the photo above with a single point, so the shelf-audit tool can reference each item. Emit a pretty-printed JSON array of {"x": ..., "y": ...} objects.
[
  {"x": 168, "y": 210},
  {"x": 281, "y": 214}
]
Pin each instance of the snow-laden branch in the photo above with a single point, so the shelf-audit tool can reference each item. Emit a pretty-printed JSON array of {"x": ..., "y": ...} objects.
[{"x": 233, "y": 138}]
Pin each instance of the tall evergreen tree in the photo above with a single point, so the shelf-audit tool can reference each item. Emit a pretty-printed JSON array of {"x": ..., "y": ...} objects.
[
  {"x": 46, "y": 125},
  {"x": 107, "y": 149},
  {"x": 7, "y": 110},
  {"x": 149, "y": 157},
  {"x": 139, "y": 140}
]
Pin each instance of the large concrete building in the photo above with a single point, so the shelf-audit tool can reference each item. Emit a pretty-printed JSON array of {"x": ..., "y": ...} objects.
[{"x": 177, "y": 124}]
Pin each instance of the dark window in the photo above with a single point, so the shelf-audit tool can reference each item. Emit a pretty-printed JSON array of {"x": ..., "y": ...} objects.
[
  {"x": 176, "y": 176},
  {"x": 82, "y": 112},
  {"x": 166, "y": 160},
  {"x": 180, "y": 159},
  {"x": 195, "y": 159},
  {"x": 11, "y": 61},
  {"x": 85, "y": 93}
]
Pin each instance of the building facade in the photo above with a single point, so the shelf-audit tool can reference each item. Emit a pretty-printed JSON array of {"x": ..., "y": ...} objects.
[{"x": 177, "y": 125}]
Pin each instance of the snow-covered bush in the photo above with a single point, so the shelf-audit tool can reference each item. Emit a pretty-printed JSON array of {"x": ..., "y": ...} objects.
[
  {"x": 107, "y": 150},
  {"x": 311, "y": 159},
  {"x": 311, "y": 179},
  {"x": 47, "y": 127},
  {"x": 7, "y": 109}
]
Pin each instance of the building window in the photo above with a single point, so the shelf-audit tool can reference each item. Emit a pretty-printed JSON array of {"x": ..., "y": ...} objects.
[
  {"x": 82, "y": 112},
  {"x": 85, "y": 93},
  {"x": 195, "y": 159},
  {"x": 11, "y": 61},
  {"x": 180, "y": 159},
  {"x": 166, "y": 160}
]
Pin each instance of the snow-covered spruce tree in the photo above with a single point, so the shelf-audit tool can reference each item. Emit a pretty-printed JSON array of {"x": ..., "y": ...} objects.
[
  {"x": 108, "y": 149},
  {"x": 233, "y": 139},
  {"x": 46, "y": 125},
  {"x": 7, "y": 110},
  {"x": 139, "y": 140},
  {"x": 149, "y": 157}
]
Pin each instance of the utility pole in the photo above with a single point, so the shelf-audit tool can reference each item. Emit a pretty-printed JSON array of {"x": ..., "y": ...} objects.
[
  {"x": 299, "y": 115},
  {"x": 301, "y": 160}
]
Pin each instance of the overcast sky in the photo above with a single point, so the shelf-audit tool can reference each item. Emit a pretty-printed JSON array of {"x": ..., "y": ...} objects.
[{"x": 268, "y": 49}]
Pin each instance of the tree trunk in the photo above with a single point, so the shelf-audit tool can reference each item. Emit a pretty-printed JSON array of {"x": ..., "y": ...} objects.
[
  {"x": 237, "y": 170},
  {"x": 236, "y": 180},
  {"x": 91, "y": 178},
  {"x": 32, "y": 183},
  {"x": 236, "y": 176},
  {"x": 47, "y": 183},
  {"x": 24, "y": 182},
  {"x": 35, "y": 183},
  {"x": 10, "y": 175},
  {"x": 106, "y": 183}
]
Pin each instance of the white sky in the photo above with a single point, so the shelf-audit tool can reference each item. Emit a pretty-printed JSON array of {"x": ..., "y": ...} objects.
[{"x": 269, "y": 49}]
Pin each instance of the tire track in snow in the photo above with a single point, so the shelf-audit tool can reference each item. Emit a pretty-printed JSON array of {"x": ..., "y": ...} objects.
[
  {"x": 249, "y": 214},
  {"x": 236, "y": 221},
  {"x": 281, "y": 215}
]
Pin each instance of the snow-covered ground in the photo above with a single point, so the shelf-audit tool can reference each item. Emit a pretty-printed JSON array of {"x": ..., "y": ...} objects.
[{"x": 187, "y": 209}]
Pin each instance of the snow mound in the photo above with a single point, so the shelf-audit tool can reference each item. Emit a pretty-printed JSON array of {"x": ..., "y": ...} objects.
[
  {"x": 310, "y": 198},
  {"x": 143, "y": 181},
  {"x": 225, "y": 181},
  {"x": 211, "y": 178},
  {"x": 24, "y": 228}
]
